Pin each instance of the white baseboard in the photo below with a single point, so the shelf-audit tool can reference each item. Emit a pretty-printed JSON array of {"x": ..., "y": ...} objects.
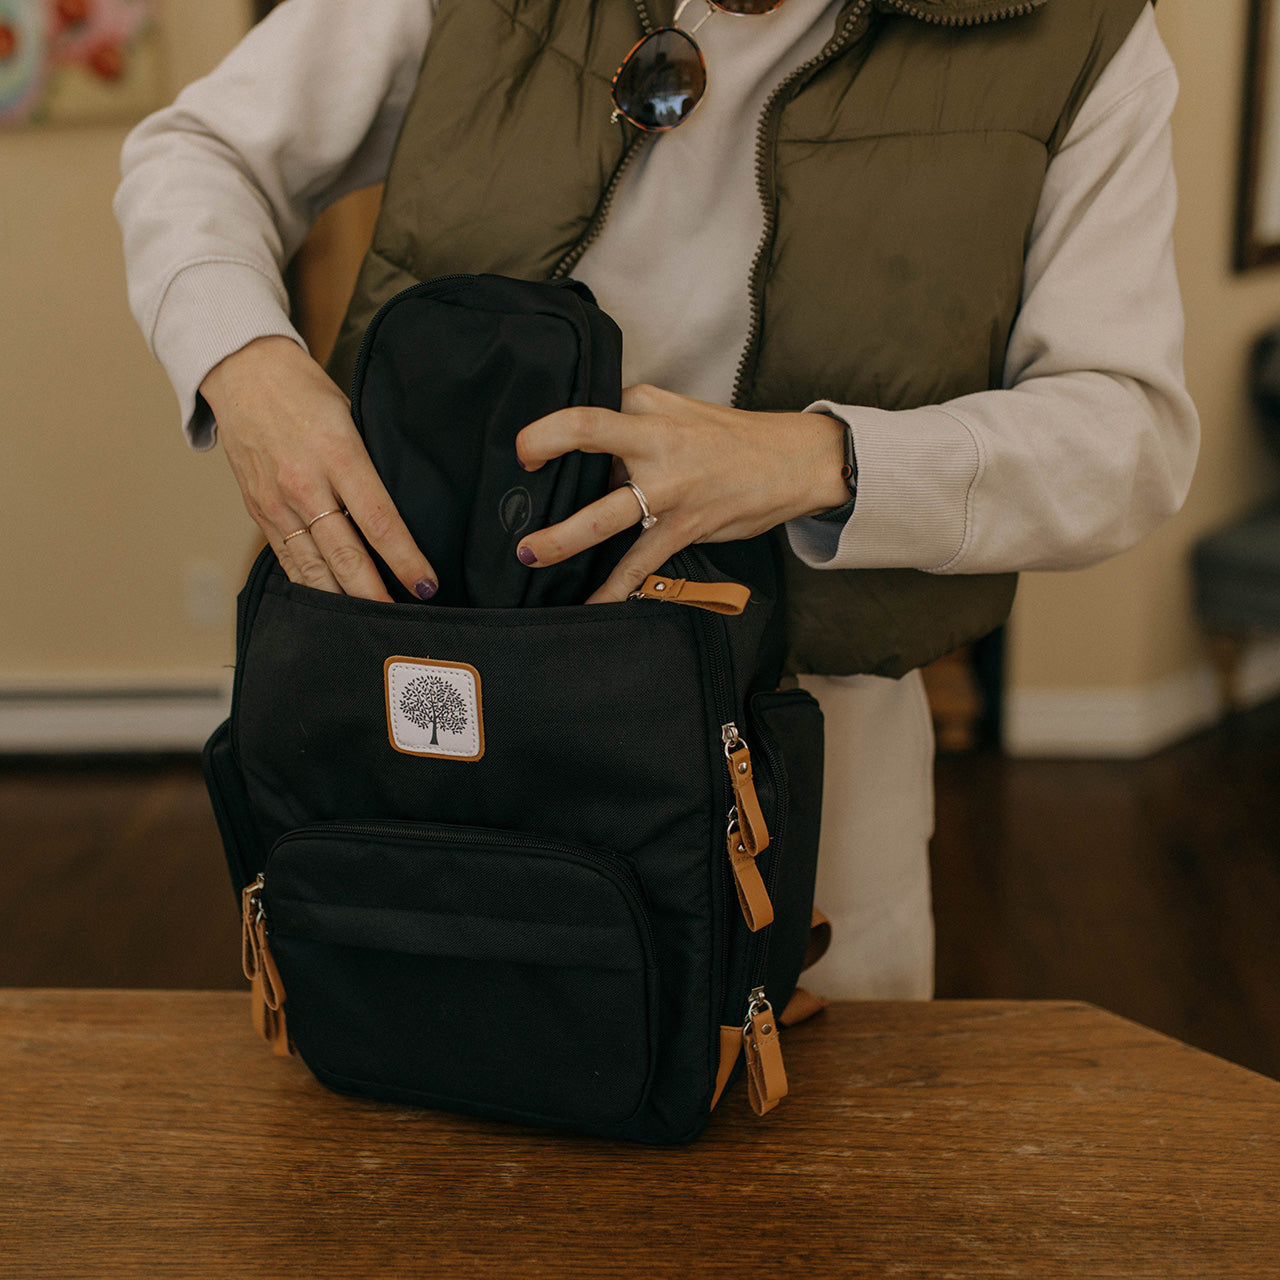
[
  {"x": 66, "y": 721},
  {"x": 1130, "y": 722}
]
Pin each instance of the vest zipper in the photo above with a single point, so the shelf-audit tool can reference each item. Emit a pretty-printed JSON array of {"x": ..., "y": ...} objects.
[
  {"x": 961, "y": 19},
  {"x": 771, "y": 117},
  {"x": 601, "y": 215}
]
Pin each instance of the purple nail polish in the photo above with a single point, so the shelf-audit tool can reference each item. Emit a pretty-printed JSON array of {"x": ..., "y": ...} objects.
[
  {"x": 425, "y": 589},
  {"x": 525, "y": 556}
]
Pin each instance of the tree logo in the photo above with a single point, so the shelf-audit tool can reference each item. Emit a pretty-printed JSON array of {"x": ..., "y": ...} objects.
[
  {"x": 432, "y": 704},
  {"x": 433, "y": 708}
]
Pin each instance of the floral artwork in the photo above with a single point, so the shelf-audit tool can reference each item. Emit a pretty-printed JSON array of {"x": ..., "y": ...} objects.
[{"x": 77, "y": 61}]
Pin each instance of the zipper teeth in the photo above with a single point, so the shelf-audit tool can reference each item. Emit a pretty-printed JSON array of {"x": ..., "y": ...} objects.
[
  {"x": 760, "y": 956},
  {"x": 366, "y": 340},
  {"x": 603, "y": 209},
  {"x": 601, "y": 215},
  {"x": 687, "y": 563},
  {"x": 959, "y": 20},
  {"x": 508, "y": 839},
  {"x": 764, "y": 186}
]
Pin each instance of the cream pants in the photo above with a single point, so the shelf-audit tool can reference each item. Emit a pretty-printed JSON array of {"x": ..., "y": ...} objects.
[{"x": 877, "y": 819}]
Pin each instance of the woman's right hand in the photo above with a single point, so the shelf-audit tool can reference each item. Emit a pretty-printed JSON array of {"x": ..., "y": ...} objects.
[{"x": 296, "y": 454}]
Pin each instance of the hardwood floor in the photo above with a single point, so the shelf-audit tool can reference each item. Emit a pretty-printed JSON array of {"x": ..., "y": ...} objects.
[
  {"x": 113, "y": 876},
  {"x": 1149, "y": 887}
]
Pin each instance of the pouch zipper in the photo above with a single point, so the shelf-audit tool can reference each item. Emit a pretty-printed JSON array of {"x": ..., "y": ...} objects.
[{"x": 366, "y": 340}]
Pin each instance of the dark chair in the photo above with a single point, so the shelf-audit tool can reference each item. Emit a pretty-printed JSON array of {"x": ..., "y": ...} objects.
[{"x": 1237, "y": 568}]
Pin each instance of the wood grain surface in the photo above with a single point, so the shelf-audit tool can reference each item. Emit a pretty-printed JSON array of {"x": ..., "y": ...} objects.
[{"x": 148, "y": 1133}]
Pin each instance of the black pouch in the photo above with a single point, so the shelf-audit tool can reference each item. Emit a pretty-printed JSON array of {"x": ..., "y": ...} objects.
[{"x": 448, "y": 374}]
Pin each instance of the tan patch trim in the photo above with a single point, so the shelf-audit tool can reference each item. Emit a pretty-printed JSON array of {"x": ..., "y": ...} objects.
[{"x": 403, "y": 741}]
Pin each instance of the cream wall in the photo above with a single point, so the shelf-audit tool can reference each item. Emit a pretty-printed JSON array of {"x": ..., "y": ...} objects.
[
  {"x": 122, "y": 549},
  {"x": 1127, "y": 628}
]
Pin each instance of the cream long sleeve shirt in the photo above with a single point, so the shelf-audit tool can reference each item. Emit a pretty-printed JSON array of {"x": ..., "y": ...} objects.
[{"x": 1090, "y": 443}]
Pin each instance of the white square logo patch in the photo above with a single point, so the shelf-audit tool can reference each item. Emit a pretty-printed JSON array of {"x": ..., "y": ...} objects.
[{"x": 434, "y": 708}]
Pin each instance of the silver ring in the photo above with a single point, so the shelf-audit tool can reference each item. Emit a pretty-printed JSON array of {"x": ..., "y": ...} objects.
[
  {"x": 333, "y": 511},
  {"x": 297, "y": 533},
  {"x": 647, "y": 518}
]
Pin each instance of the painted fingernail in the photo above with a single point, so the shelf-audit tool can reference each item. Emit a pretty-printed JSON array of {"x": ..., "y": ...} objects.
[
  {"x": 525, "y": 556},
  {"x": 520, "y": 464},
  {"x": 425, "y": 589}
]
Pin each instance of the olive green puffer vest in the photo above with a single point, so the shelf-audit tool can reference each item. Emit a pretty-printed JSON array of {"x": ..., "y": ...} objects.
[{"x": 902, "y": 170}]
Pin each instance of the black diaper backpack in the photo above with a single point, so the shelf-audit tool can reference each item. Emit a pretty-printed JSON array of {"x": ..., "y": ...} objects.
[{"x": 504, "y": 852}]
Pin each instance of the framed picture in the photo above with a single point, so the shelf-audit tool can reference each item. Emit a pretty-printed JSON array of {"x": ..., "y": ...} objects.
[
  {"x": 1258, "y": 217},
  {"x": 78, "y": 62}
]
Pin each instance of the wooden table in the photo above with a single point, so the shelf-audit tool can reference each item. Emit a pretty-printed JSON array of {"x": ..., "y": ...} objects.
[{"x": 149, "y": 1133}]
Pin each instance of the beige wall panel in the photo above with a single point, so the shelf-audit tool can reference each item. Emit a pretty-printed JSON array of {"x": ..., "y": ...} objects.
[
  {"x": 123, "y": 548},
  {"x": 1130, "y": 622}
]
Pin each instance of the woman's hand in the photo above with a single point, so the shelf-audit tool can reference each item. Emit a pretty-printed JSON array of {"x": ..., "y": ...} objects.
[
  {"x": 709, "y": 473},
  {"x": 296, "y": 455}
]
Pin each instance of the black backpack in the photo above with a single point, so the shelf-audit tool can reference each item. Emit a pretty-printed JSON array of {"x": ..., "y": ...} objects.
[{"x": 552, "y": 864}]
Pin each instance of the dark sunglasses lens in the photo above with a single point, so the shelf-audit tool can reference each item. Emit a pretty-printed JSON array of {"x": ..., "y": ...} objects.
[
  {"x": 661, "y": 80},
  {"x": 747, "y": 6}
]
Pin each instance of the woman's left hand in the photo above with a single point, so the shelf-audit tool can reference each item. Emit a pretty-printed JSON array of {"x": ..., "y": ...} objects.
[{"x": 709, "y": 474}]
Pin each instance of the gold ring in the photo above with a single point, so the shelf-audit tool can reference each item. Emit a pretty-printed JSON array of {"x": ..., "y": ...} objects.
[
  {"x": 333, "y": 511},
  {"x": 647, "y": 518},
  {"x": 297, "y": 533}
]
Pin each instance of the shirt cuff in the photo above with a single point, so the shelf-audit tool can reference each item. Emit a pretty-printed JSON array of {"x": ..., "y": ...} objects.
[
  {"x": 917, "y": 469},
  {"x": 210, "y": 310}
]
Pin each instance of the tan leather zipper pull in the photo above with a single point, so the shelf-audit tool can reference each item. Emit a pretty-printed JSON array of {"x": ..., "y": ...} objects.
[
  {"x": 755, "y": 833},
  {"x": 766, "y": 1076},
  {"x": 273, "y": 988},
  {"x": 266, "y": 990},
  {"x": 753, "y": 897},
  {"x": 718, "y": 597}
]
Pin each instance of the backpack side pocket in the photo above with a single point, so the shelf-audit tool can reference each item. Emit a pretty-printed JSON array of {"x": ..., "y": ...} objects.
[{"x": 789, "y": 726}]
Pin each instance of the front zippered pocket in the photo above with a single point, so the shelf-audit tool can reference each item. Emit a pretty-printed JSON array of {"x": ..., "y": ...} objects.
[{"x": 433, "y": 964}]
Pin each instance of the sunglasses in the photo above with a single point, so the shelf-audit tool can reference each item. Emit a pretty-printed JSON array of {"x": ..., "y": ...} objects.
[{"x": 664, "y": 76}]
